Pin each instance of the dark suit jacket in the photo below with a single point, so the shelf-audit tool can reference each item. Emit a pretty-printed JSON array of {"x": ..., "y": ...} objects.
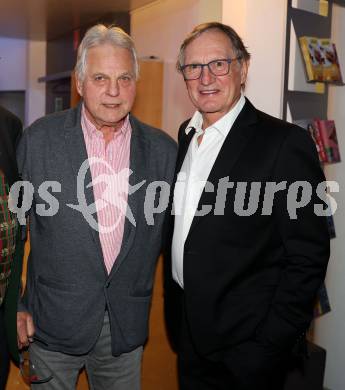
[
  {"x": 68, "y": 287},
  {"x": 250, "y": 281},
  {"x": 10, "y": 131}
]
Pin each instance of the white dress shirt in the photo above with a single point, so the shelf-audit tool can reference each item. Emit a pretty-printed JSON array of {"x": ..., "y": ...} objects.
[{"x": 193, "y": 175}]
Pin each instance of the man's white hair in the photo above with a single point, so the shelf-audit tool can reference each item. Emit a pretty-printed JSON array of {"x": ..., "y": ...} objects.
[{"x": 100, "y": 35}]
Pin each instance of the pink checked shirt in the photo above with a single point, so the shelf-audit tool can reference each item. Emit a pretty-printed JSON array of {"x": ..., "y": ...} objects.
[{"x": 109, "y": 166}]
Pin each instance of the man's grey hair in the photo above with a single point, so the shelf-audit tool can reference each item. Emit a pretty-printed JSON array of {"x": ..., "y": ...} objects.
[
  {"x": 99, "y": 35},
  {"x": 235, "y": 40}
]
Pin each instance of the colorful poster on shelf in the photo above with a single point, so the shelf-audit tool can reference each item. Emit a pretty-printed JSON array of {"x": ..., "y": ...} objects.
[
  {"x": 330, "y": 67},
  {"x": 309, "y": 125},
  {"x": 322, "y": 305},
  {"x": 329, "y": 139},
  {"x": 320, "y": 60},
  {"x": 312, "y": 58},
  {"x": 331, "y": 226}
]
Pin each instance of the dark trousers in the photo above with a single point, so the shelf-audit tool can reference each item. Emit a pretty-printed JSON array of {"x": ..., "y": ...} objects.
[
  {"x": 196, "y": 372},
  {"x": 4, "y": 354}
]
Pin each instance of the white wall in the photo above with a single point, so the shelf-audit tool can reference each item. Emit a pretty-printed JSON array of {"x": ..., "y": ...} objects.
[
  {"x": 261, "y": 25},
  {"x": 13, "y": 54},
  {"x": 330, "y": 329},
  {"x": 158, "y": 29},
  {"x": 21, "y": 63}
]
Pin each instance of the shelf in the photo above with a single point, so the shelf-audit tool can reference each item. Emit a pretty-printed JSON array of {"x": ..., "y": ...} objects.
[
  {"x": 55, "y": 76},
  {"x": 297, "y": 78},
  {"x": 319, "y": 7}
]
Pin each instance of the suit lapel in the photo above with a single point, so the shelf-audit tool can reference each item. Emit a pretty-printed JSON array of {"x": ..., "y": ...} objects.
[
  {"x": 184, "y": 142},
  {"x": 76, "y": 149},
  {"x": 183, "y": 147},
  {"x": 229, "y": 153}
]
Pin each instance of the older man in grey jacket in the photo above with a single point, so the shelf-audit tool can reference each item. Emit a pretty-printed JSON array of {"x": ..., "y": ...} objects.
[{"x": 95, "y": 228}]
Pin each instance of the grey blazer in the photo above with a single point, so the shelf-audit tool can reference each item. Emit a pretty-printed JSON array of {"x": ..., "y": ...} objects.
[{"x": 68, "y": 288}]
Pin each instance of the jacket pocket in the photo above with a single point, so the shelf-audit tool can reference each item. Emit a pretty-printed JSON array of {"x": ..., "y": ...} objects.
[
  {"x": 58, "y": 307},
  {"x": 133, "y": 318}
]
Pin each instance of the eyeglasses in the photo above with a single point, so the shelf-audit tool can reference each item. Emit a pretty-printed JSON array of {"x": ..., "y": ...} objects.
[
  {"x": 33, "y": 373},
  {"x": 219, "y": 67}
]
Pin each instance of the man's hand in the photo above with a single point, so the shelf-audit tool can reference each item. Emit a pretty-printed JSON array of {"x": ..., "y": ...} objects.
[{"x": 25, "y": 329}]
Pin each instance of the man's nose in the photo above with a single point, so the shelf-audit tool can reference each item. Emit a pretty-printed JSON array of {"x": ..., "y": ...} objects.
[
  {"x": 113, "y": 87},
  {"x": 206, "y": 76}
]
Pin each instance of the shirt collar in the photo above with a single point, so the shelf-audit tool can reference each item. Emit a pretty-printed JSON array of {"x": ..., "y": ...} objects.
[
  {"x": 223, "y": 125},
  {"x": 92, "y": 130},
  {"x": 195, "y": 123}
]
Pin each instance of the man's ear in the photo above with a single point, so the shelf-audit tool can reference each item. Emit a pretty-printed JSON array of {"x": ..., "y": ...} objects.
[
  {"x": 79, "y": 85},
  {"x": 244, "y": 71}
]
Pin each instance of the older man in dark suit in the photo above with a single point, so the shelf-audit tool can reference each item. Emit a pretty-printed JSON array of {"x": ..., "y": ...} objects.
[
  {"x": 10, "y": 131},
  {"x": 94, "y": 249},
  {"x": 246, "y": 265}
]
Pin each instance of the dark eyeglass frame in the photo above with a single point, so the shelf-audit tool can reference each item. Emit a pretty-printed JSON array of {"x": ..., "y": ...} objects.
[{"x": 201, "y": 67}]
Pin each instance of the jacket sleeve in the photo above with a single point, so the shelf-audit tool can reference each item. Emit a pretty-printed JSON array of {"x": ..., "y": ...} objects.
[{"x": 305, "y": 240}]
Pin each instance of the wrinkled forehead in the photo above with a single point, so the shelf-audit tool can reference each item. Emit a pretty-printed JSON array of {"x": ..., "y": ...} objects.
[
  {"x": 210, "y": 42},
  {"x": 218, "y": 37},
  {"x": 109, "y": 56}
]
